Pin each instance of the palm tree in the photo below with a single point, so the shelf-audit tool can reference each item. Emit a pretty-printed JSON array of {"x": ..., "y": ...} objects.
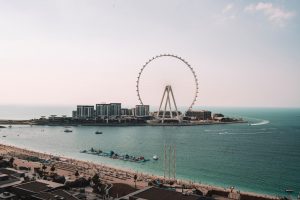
[
  {"x": 76, "y": 173},
  {"x": 183, "y": 187},
  {"x": 97, "y": 183},
  {"x": 52, "y": 168},
  {"x": 96, "y": 179},
  {"x": 135, "y": 177},
  {"x": 44, "y": 167},
  {"x": 11, "y": 161},
  {"x": 171, "y": 183}
]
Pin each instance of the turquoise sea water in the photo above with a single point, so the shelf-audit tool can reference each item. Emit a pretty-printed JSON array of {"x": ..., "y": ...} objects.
[{"x": 263, "y": 158}]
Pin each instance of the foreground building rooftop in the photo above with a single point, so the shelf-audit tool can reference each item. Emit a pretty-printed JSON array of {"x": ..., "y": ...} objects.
[
  {"x": 34, "y": 187},
  {"x": 154, "y": 193},
  {"x": 57, "y": 194}
]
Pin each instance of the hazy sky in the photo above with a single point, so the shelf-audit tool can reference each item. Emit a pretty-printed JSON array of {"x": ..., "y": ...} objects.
[{"x": 245, "y": 53}]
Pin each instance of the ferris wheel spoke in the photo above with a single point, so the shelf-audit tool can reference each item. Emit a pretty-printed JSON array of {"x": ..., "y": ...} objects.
[{"x": 173, "y": 56}]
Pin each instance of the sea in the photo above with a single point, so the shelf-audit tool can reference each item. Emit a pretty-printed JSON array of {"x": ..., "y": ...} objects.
[{"x": 261, "y": 156}]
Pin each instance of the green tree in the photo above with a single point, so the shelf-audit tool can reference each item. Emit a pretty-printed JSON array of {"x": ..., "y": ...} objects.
[
  {"x": 52, "y": 168},
  {"x": 44, "y": 167},
  {"x": 135, "y": 178},
  {"x": 97, "y": 183},
  {"x": 183, "y": 187},
  {"x": 96, "y": 179},
  {"x": 11, "y": 162},
  {"x": 76, "y": 173}
]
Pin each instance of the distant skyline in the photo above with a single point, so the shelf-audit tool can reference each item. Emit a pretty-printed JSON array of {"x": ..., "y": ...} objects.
[{"x": 245, "y": 53}]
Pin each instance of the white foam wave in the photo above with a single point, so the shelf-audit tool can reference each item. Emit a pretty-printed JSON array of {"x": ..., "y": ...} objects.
[
  {"x": 260, "y": 123},
  {"x": 243, "y": 133},
  {"x": 224, "y": 133}
]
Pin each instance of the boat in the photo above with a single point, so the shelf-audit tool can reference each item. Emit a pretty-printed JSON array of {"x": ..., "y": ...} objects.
[
  {"x": 98, "y": 132},
  {"x": 155, "y": 157},
  {"x": 68, "y": 131},
  {"x": 289, "y": 191},
  {"x": 4, "y": 136},
  {"x": 9, "y": 126}
]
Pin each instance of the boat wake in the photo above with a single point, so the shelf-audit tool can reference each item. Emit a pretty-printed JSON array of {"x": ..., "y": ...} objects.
[
  {"x": 243, "y": 133},
  {"x": 260, "y": 123}
]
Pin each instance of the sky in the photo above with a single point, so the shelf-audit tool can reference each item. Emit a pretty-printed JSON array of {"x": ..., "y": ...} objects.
[{"x": 69, "y": 52}]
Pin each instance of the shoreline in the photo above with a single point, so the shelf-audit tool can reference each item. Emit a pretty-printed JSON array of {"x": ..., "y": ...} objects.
[
  {"x": 89, "y": 168},
  {"x": 192, "y": 123}
]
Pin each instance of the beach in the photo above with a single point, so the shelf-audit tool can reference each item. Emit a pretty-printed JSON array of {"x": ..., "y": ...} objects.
[{"x": 68, "y": 166}]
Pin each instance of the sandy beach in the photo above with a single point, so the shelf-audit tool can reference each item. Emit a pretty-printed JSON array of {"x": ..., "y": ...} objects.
[{"x": 68, "y": 166}]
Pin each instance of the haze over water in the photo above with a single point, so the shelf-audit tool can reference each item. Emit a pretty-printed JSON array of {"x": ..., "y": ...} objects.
[{"x": 262, "y": 158}]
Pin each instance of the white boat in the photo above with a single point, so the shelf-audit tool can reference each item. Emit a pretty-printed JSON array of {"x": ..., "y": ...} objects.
[
  {"x": 289, "y": 191},
  {"x": 155, "y": 157}
]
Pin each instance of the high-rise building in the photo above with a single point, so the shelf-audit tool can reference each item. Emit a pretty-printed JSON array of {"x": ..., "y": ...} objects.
[
  {"x": 132, "y": 111},
  {"x": 199, "y": 115},
  {"x": 85, "y": 112},
  {"x": 125, "y": 112},
  {"x": 102, "y": 110},
  {"x": 115, "y": 109},
  {"x": 108, "y": 110},
  {"x": 141, "y": 110}
]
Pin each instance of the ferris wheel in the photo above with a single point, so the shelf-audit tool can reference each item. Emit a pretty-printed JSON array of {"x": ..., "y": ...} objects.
[{"x": 168, "y": 88}]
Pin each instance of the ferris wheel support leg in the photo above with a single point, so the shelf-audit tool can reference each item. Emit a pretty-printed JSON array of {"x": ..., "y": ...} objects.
[
  {"x": 166, "y": 102},
  {"x": 161, "y": 102},
  {"x": 171, "y": 113},
  {"x": 174, "y": 103}
]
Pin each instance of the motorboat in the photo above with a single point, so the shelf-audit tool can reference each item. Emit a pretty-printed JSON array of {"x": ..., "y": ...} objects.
[
  {"x": 68, "y": 131},
  {"x": 155, "y": 157},
  {"x": 289, "y": 191},
  {"x": 98, "y": 132}
]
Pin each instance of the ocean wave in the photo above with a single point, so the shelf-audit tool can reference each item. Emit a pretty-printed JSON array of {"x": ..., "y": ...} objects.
[
  {"x": 263, "y": 122},
  {"x": 244, "y": 133},
  {"x": 224, "y": 133}
]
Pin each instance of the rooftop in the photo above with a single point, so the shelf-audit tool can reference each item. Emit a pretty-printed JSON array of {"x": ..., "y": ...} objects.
[
  {"x": 57, "y": 194},
  {"x": 64, "y": 194},
  {"x": 12, "y": 172},
  {"x": 33, "y": 186},
  {"x": 7, "y": 180},
  {"x": 153, "y": 193},
  {"x": 38, "y": 186}
]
